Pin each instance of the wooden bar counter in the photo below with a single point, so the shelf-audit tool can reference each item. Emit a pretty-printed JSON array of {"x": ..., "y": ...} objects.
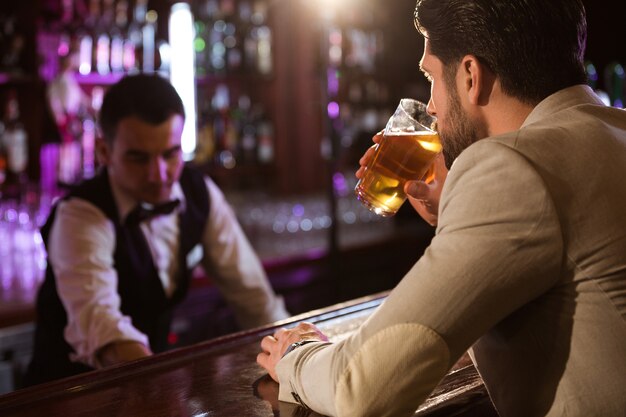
[{"x": 220, "y": 377}]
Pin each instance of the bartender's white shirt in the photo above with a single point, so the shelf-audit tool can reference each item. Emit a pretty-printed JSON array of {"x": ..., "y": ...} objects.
[{"x": 80, "y": 250}]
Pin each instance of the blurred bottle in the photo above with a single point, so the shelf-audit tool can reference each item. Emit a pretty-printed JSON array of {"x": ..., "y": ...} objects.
[
  {"x": 85, "y": 42},
  {"x": 265, "y": 140},
  {"x": 264, "y": 50},
  {"x": 133, "y": 50},
  {"x": 15, "y": 141},
  {"x": 12, "y": 43},
  {"x": 102, "y": 50},
  {"x": 223, "y": 131},
  {"x": 68, "y": 103},
  {"x": 247, "y": 131},
  {"x": 148, "y": 34},
  {"x": 614, "y": 82},
  {"x": 200, "y": 44},
  {"x": 233, "y": 45},
  {"x": 592, "y": 81},
  {"x": 3, "y": 159},
  {"x": 217, "y": 49},
  {"x": 205, "y": 147},
  {"x": 117, "y": 36}
]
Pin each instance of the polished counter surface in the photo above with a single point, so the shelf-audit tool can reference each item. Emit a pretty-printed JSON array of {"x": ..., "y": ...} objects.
[{"x": 220, "y": 377}]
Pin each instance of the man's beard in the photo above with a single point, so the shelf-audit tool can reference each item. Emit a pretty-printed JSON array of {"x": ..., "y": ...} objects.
[{"x": 460, "y": 132}]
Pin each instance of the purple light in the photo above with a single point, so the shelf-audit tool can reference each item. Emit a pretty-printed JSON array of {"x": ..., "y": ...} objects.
[
  {"x": 339, "y": 183},
  {"x": 333, "y": 110},
  {"x": 333, "y": 81},
  {"x": 298, "y": 210}
]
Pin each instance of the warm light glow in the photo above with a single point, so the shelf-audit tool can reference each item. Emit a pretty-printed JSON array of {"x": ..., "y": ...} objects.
[
  {"x": 328, "y": 9},
  {"x": 182, "y": 73}
]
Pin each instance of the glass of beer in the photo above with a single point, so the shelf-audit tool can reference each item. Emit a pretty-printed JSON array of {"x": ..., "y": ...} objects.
[{"x": 406, "y": 151}]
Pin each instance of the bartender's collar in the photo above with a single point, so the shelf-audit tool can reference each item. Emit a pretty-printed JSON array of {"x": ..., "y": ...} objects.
[{"x": 125, "y": 204}]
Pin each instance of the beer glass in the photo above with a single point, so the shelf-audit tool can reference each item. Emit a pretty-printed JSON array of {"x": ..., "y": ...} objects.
[{"x": 406, "y": 151}]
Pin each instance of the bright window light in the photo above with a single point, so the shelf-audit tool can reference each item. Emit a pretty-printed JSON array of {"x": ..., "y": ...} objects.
[{"x": 182, "y": 74}]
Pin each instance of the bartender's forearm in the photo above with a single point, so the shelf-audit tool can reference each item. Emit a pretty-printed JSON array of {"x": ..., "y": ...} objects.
[{"x": 124, "y": 351}]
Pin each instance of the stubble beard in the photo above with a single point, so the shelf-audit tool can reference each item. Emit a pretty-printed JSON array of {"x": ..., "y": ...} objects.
[{"x": 460, "y": 132}]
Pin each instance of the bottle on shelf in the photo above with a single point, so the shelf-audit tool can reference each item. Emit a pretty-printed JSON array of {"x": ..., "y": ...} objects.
[
  {"x": 265, "y": 139},
  {"x": 148, "y": 35},
  {"x": 12, "y": 46},
  {"x": 3, "y": 159},
  {"x": 85, "y": 42},
  {"x": 15, "y": 141},
  {"x": 614, "y": 82},
  {"x": 592, "y": 81},
  {"x": 133, "y": 50}
]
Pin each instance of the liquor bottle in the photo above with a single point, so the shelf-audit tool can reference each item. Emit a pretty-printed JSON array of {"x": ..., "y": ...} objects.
[
  {"x": 245, "y": 12},
  {"x": 200, "y": 47},
  {"x": 264, "y": 48},
  {"x": 614, "y": 82},
  {"x": 3, "y": 158},
  {"x": 250, "y": 49},
  {"x": 88, "y": 143},
  {"x": 227, "y": 8},
  {"x": 221, "y": 127},
  {"x": 265, "y": 140},
  {"x": 118, "y": 36},
  {"x": 85, "y": 51},
  {"x": 205, "y": 147},
  {"x": 592, "y": 81},
  {"x": 12, "y": 44},
  {"x": 247, "y": 131},
  {"x": 133, "y": 49},
  {"x": 103, "y": 39},
  {"x": 67, "y": 12},
  {"x": 15, "y": 141},
  {"x": 148, "y": 35},
  {"x": 217, "y": 50},
  {"x": 234, "y": 55},
  {"x": 103, "y": 50}
]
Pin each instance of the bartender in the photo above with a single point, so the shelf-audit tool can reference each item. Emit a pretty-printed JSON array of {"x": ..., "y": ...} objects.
[{"x": 122, "y": 246}]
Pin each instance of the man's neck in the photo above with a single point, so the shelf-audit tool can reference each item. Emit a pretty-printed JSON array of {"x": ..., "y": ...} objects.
[{"x": 506, "y": 114}]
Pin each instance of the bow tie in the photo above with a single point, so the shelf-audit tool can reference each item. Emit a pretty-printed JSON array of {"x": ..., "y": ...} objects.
[{"x": 145, "y": 211}]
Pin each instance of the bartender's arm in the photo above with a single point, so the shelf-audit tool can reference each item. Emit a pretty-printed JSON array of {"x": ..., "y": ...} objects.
[
  {"x": 236, "y": 269},
  {"x": 81, "y": 245}
]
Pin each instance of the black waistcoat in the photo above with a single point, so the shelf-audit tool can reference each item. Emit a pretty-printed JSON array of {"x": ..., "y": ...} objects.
[{"x": 141, "y": 292}]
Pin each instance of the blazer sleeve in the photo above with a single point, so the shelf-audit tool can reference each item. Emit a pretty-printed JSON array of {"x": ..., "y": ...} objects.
[{"x": 494, "y": 250}]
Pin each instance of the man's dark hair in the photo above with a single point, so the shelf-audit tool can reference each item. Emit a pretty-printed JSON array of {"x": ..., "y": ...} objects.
[
  {"x": 150, "y": 98},
  {"x": 535, "y": 47}
]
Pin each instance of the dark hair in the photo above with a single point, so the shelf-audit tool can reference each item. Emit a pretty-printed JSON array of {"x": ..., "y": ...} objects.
[
  {"x": 150, "y": 98},
  {"x": 535, "y": 47}
]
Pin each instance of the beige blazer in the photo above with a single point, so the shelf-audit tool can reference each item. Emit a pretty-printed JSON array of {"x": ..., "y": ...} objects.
[{"x": 528, "y": 267}]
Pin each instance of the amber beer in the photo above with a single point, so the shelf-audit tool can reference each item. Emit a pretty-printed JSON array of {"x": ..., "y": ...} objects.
[{"x": 399, "y": 157}]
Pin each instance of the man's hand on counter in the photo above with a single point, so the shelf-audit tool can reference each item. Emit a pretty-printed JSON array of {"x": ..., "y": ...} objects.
[
  {"x": 284, "y": 341},
  {"x": 124, "y": 351}
]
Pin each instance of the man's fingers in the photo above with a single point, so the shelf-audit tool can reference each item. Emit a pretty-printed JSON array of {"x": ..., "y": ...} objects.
[
  {"x": 267, "y": 343},
  {"x": 263, "y": 359},
  {"x": 417, "y": 189},
  {"x": 368, "y": 155}
]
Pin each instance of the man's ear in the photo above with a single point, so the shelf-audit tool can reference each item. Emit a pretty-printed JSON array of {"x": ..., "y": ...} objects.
[
  {"x": 103, "y": 152},
  {"x": 478, "y": 80}
]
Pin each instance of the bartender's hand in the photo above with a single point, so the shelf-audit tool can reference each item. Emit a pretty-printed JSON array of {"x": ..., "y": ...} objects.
[
  {"x": 422, "y": 194},
  {"x": 122, "y": 351},
  {"x": 274, "y": 347}
]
